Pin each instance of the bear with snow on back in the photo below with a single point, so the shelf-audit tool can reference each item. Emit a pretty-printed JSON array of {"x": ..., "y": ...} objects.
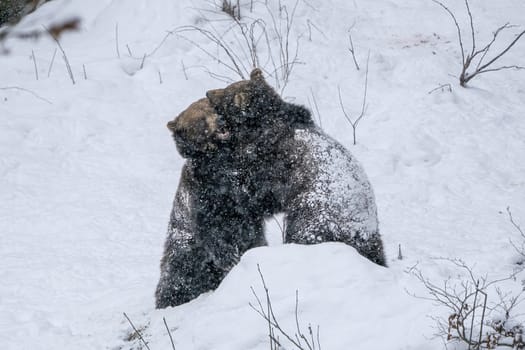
[{"x": 250, "y": 154}]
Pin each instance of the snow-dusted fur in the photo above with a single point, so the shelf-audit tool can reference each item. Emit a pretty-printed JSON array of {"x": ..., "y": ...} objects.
[
  {"x": 274, "y": 160},
  {"x": 337, "y": 204},
  {"x": 208, "y": 232}
]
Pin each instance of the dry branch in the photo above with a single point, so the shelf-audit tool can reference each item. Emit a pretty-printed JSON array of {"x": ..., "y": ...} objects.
[
  {"x": 299, "y": 340},
  {"x": 471, "y": 320},
  {"x": 355, "y": 123},
  {"x": 476, "y": 57},
  {"x": 34, "y": 62},
  {"x": 519, "y": 249},
  {"x": 442, "y": 87},
  {"x": 116, "y": 40},
  {"x": 316, "y": 107},
  {"x": 51, "y": 64},
  {"x": 28, "y": 91},
  {"x": 136, "y": 331},
  {"x": 252, "y": 43},
  {"x": 169, "y": 333},
  {"x": 351, "y": 47},
  {"x": 55, "y": 37}
]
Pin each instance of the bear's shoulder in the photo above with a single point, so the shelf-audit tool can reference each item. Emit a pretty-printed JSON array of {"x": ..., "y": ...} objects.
[{"x": 296, "y": 116}]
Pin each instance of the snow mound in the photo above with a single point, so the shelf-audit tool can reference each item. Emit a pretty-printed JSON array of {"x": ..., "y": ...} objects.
[{"x": 344, "y": 294}]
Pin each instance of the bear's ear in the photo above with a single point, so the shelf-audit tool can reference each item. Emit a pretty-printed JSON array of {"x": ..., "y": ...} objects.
[
  {"x": 171, "y": 125},
  {"x": 257, "y": 75},
  {"x": 215, "y": 96},
  {"x": 241, "y": 100}
]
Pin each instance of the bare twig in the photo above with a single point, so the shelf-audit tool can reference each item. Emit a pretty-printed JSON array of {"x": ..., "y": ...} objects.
[
  {"x": 473, "y": 317},
  {"x": 152, "y": 52},
  {"x": 464, "y": 299},
  {"x": 213, "y": 75},
  {"x": 355, "y": 123},
  {"x": 143, "y": 60},
  {"x": 269, "y": 46},
  {"x": 116, "y": 40},
  {"x": 351, "y": 47},
  {"x": 28, "y": 91},
  {"x": 169, "y": 333},
  {"x": 478, "y": 55},
  {"x": 299, "y": 333},
  {"x": 267, "y": 313},
  {"x": 310, "y": 25},
  {"x": 184, "y": 69},
  {"x": 34, "y": 62},
  {"x": 441, "y": 87},
  {"x": 234, "y": 64},
  {"x": 458, "y": 28},
  {"x": 282, "y": 29},
  {"x": 516, "y": 226},
  {"x": 69, "y": 70},
  {"x": 281, "y": 228},
  {"x": 316, "y": 108},
  {"x": 136, "y": 331},
  {"x": 160, "y": 44},
  {"x": 521, "y": 249},
  {"x": 51, "y": 64},
  {"x": 55, "y": 37}
]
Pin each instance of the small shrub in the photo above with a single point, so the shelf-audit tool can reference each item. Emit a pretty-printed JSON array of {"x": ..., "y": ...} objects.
[
  {"x": 472, "y": 319},
  {"x": 476, "y": 60}
]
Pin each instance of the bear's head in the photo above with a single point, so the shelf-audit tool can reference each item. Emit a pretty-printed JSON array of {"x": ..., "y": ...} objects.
[
  {"x": 244, "y": 116},
  {"x": 198, "y": 130},
  {"x": 246, "y": 100},
  {"x": 252, "y": 109}
]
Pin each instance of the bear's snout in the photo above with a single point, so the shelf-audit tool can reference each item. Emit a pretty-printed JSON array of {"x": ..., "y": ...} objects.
[
  {"x": 199, "y": 130},
  {"x": 177, "y": 132}
]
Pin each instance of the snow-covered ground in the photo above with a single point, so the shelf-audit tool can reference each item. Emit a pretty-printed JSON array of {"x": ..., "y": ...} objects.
[{"x": 88, "y": 172}]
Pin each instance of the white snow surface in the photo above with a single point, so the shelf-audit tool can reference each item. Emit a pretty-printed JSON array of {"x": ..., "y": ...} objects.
[{"x": 88, "y": 173}]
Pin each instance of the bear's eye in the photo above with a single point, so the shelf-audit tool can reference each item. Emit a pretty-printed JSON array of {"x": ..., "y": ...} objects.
[{"x": 220, "y": 121}]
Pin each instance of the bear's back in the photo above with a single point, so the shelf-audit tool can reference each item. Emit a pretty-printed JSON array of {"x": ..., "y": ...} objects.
[{"x": 336, "y": 187}]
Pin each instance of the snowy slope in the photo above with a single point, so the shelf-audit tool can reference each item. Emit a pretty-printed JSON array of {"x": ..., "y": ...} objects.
[{"x": 88, "y": 172}]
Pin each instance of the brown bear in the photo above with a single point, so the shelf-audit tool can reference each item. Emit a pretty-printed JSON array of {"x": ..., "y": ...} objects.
[
  {"x": 252, "y": 155},
  {"x": 209, "y": 227}
]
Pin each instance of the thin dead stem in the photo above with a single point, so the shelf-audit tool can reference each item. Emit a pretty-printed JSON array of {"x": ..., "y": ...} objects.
[
  {"x": 28, "y": 91},
  {"x": 351, "y": 46},
  {"x": 316, "y": 108},
  {"x": 465, "y": 299},
  {"x": 169, "y": 333},
  {"x": 252, "y": 43},
  {"x": 64, "y": 56},
  {"x": 51, "y": 64},
  {"x": 136, "y": 331},
  {"x": 299, "y": 340},
  {"x": 355, "y": 123},
  {"x": 34, "y": 62}
]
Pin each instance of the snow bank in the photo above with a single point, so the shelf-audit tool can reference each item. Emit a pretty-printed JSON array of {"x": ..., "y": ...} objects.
[{"x": 350, "y": 299}]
